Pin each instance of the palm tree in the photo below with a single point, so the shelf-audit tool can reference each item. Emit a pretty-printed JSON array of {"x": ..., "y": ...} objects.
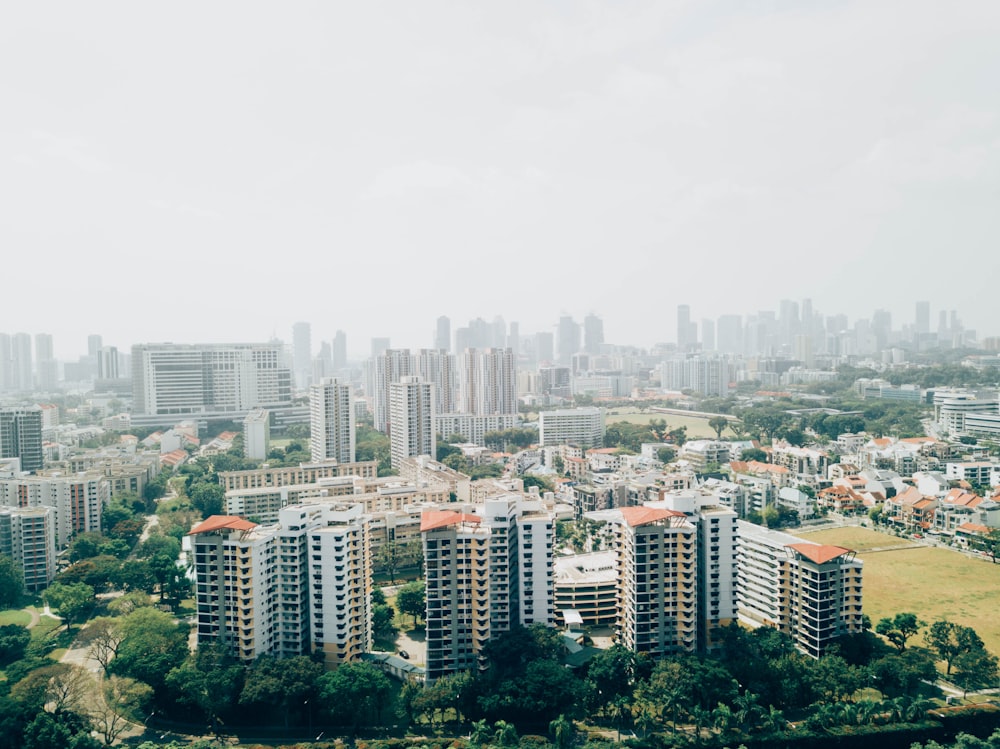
[
  {"x": 506, "y": 733},
  {"x": 645, "y": 715},
  {"x": 774, "y": 720},
  {"x": 723, "y": 718},
  {"x": 748, "y": 711},
  {"x": 868, "y": 712},
  {"x": 563, "y": 732},
  {"x": 481, "y": 733},
  {"x": 617, "y": 711},
  {"x": 701, "y": 718}
]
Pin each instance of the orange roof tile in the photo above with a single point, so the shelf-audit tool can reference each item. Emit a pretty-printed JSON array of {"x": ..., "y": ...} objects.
[
  {"x": 636, "y": 516},
  {"x": 433, "y": 519},
  {"x": 819, "y": 553},
  {"x": 973, "y": 528},
  {"x": 222, "y": 522}
]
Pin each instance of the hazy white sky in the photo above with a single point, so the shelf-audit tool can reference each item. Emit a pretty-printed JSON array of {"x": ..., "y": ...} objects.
[{"x": 194, "y": 171}]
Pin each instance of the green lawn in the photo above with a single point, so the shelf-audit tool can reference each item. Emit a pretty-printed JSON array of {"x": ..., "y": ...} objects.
[
  {"x": 931, "y": 582},
  {"x": 15, "y": 616},
  {"x": 696, "y": 428}
]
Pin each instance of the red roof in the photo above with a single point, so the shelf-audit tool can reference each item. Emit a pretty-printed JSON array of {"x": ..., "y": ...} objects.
[
  {"x": 974, "y": 528},
  {"x": 819, "y": 553},
  {"x": 636, "y": 516},
  {"x": 222, "y": 522},
  {"x": 443, "y": 518}
]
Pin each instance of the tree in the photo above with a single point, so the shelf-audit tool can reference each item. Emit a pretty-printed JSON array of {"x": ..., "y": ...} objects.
[
  {"x": 975, "y": 669},
  {"x": 288, "y": 683},
  {"x": 70, "y": 600},
  {"x": 382, "y": 616},
  {"x": 208, "y": 498},
  {"x": 208, "y": 682},
  {"x": 103, "y": 635},
  {"x": 152, "y": 643},
  {"x": 11, "y": 583},
  {"x": 610, "y": 674},
  {"x": 718, "y": 424},
  {"x": 14, "y": 641},
  {"x": 119, "y": 700},
  {"x": 59, "y": 687},
  {"x": 666, "y": 454},
  {"x": 899, "y": 629},
  {"x": 950, "y": 640},
  {"x": 411, "y": 599},
  {"x": 355, "y": 691},
  {"x": 563, "y": 732}
]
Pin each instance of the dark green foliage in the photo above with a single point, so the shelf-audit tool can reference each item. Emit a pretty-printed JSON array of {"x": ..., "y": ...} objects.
[
  {"x": 354, "y": 693},
  {"x": 14, "y": 641},
  {"x": 11, "y": 582},
  {"x": 411, "y": 600}
]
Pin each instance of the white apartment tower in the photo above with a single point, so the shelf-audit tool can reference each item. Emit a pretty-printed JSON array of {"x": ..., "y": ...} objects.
[
  {"x": 331, "y": 421},
  {"x": 390, "y": 366},
  {"x": 257, "y": 434},
  {"x": 489, "y": 381},
  {"x": 28, "y": 536},
  {"x": 411, "y": 417}
]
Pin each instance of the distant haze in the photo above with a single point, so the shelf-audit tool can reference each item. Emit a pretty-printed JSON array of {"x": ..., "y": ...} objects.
[{"x": 217, "y": 171}]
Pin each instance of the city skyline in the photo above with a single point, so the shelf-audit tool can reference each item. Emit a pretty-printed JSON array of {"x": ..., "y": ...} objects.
[{"x": 355, "y": 165}]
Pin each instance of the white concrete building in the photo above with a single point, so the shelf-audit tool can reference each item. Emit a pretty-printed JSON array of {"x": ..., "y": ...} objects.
[
  {"x": 257, "y": 434},
  {"x": 411, "y": 418},
  {"x": 579, "y": 426},
  {"x": 331, "y": 421}
]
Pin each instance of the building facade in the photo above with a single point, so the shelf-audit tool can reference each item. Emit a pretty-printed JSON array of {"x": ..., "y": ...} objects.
[{"x": 331, "y": 421}]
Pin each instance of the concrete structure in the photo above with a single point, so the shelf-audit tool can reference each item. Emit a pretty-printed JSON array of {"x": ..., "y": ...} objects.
[
  {"x": 810, "y": 591},
  {"x": 331, "y": 421},
  {"x": 578, "y": 426},
  {"x": 21, "y": 436},
  {"x": 411, "y": 419},
  {"x": 257, "y": 434},
  {"x": 304, "y": 473},
  {"x": 77, "y": 500},
  {"x": 387, "y": 367},
  {"x": 28, "y": 536},
  {"x": 222, "y": 381},
  {"x": 298, "y": 587},
  {"x": 588, "y": 585},
  {"x": 473, "y": 427},
  {"x": 488, "y": 381}
]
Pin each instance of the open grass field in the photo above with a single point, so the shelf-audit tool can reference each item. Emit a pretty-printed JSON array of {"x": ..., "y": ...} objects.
[
  {"x": 934, "y": 583},
  {"x": 696, "y": 428},
  {"x": 15, "y": 616}
]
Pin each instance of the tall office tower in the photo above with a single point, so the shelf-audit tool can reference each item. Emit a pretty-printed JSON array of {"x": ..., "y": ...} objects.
[
  {"x": 437, "y": 366},
  {"x": 514, "y": 339},
  {"x": 923, "y": 319},
  {"x": 486, "y": 572},
  {"x": 331, "y": 421},
  {"x": 488, "y": 382},
  {"x": 302, "y": 353},
  {"x": 707, "y": 335},
  {"x": 47, "y": 369},
  {"x": 257, "y": 434},
  {"x": 21, "y": 362},
  {"x": 28, "y": 536},
  {"x": 6, "y": 364},
  {"x": 593, "y": 334},
  {"x": 657, "y": 569},
  {"x": 442, "y": 334},
  {"x": 499, "y": 330},
  {"x": 567, "y": 339},
  {"x": 21, "y": 436},
  {"x": 390, "y": 366},
  {"x": 687, "y": 331},
  {"x": 730, "y": 334},
  {"x": 411, "y": 419},
  {"x": 379, "y": 346},
  {"x": 778, "y": 576},
  {"x": 544, "y": 348},
  {"x": 173, "y": 381},
  {"x": 788, "y": 321},
  {"x": 304, "y": 585},
  {"x": 107, "y": 363},
  {"x": 339, "y": 351}
]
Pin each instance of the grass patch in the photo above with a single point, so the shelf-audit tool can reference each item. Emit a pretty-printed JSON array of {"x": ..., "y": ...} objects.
[
  {"x": 696, "y": 428},
  {"x": 933, "y": 583},
  {"x": 15, "y": 616},
  {"x": 855, "y": 537}
]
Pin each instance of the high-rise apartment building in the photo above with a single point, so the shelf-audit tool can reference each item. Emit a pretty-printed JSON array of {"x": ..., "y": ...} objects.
[
  {"x": 78, "y": 499},
  {"x": 577, "y": 426},
  {"x": 207, "y": 380},
  {"x": 298, "y": 587},
  {"x": 437, "y": 367},
  {"x": 108, "y": 363},
  {"x": 488, "y": 381},
  {"x": 812, "y": 592},
  {"x": 331, "y": 421},
  {"x": 257, "y": 434},
  {"x": 21, "y": 436},
  {"x": 486, "y": 571},
  {"x": 388, "y": 367},
  {"x": 28, "y": 536},
  {"x": 411, "y": 417}
]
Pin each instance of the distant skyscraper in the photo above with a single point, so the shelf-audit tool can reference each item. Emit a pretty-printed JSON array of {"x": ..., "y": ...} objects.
[
  {"x": 568, "y": 339},
  {"x": 442, "y": 334},
  {"x": 437, "y": 366},
  {"x": 21, "y": 436},
  {"x": 302, "y": 353},
  {"x": 707, "y": 335},
  {"x": 45, "y": 362},
  {"x": 687, "y": 331},
  {"x": 94, "y": 344},
  {"x": 544, "y": 348},
  {"x": 411, "y": 415},
  {"x": 331, "y": 421},
  {"x": 107, "y": 363},
  {"x": 923, "y": 322},
  {"x": 593, "y": 334},
  {"x": 339, "y": 351},
  {"x": 22, "y": 363}
]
